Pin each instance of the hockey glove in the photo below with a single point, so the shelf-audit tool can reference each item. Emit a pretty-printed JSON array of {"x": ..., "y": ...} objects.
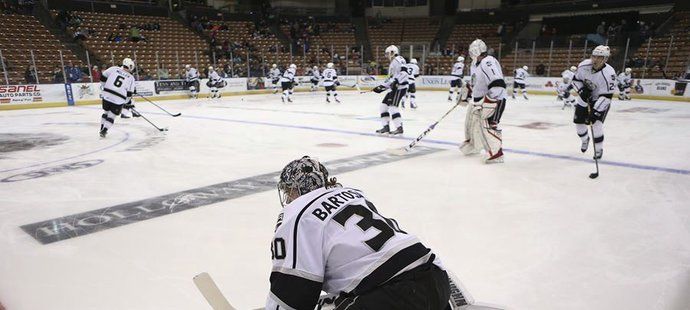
[
  {"x": 337, "y": 83},
  {"x": 379, "y": 89}
]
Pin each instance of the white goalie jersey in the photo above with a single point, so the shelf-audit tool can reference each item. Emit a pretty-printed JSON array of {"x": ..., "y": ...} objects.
[
  {"x": 118, "y": 86},
  {"x": 336, "y": 241},
  {"x": 487, "y": 79}
]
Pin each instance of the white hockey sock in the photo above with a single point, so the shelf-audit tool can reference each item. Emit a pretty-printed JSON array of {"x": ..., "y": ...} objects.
[
  {"x": 285, "y": 94},
  {"x": 385, "y": 115},
  {"x": 108, "y": 119},
  {"x": 413, "y": 98},
  {"x": 582, "y": 131},
  {"x": 335, "y": 95},
  {"x": 514, "y": 92},
  {"x": 395, "y": 115},
  {"x": 598, "y": 128}
]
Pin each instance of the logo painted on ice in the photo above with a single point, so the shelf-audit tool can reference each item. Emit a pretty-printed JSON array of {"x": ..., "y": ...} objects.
[{"x": 52, "y": 171}]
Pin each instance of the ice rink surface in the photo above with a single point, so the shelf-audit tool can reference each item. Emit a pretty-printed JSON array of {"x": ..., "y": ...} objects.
[{"x": 532, "y": 233}]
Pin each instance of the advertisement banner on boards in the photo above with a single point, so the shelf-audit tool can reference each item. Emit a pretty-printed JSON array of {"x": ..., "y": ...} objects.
[{"x": 28, "y": 94}]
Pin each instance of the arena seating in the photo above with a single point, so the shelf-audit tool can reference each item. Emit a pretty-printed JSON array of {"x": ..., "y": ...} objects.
[
  {"x": 459, "y": 41},
  {"x": 680, "y": 50},
  {"x": 24, "y": 33},
  {"x": 175, "y": 44}
]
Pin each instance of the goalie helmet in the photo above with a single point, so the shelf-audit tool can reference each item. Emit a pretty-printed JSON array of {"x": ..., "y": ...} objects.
[
  {"x": 299, "y": 177},
  {"x": 413, "y": 61},
  {"x": 477, "y": 47},
  {"x": 391, "y": 51},
  {"x": 329, "y": 65},
  {"x": 128, "y": 64},
  {"x": 460, "y": 59}
]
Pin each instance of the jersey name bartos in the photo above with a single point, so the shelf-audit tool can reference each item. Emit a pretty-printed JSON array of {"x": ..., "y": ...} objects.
[{"x": 119, "y": 85}]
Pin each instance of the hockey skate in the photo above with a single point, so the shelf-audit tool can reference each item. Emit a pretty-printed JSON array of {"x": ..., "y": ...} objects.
[
  {"x": 496, "y": 158},
  {"x": 513, "y": 96},
  {"x": 386, "y": 129},
  {"x": 450, "y": 99},
  {"x": 328, "y": 100},
  {"x": 598, "y": 154},
  {"x": 398, "y": 131},
  {"x": 103, "y": 132},
  {"x": 402, "y": 104},
  {"x": 525, "y": 96},
  {"x": 283, "y": 99},
  {"x": 467, "y": 148},
  {"x": 585, "y": 145},
  {"x": 337, "y": 100},
  {"x": 289, "y": 99},
  {"x": 123, "y": 116},
  {"x": 413, "y": 106}
]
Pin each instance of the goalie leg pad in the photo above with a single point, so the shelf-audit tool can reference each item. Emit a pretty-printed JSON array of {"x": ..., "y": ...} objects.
[{"x": 489, "y": 137}]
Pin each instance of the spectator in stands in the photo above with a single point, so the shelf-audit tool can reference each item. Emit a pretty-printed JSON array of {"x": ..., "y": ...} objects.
[
  {"x": 135, "y": 35},
  {"x": 79, "y": 35},
  {"x": 96, "y": 74},
  {"x": 29, "y": 75},
  {"x": 73, "y": 73},
  {"x": 163, "y": 73},
  {"x": 57, "y": 75}
]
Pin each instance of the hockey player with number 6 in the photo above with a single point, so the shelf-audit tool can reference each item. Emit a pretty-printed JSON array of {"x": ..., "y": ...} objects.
[
  {"x": 330, "y": 82},
  {"x": 595, "y": 81},
  {"x": 332, "y": 238},
  {"x": 488, "y": 92},
  {"x": 118, "y": 87}
]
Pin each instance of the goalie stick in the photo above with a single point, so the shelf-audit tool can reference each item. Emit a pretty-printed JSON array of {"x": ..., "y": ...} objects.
[
  {"x": 209, "y": 289},
  {"x": 408, "y": 148}
]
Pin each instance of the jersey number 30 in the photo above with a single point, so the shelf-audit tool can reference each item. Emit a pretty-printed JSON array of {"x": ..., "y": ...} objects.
[{"x": 387, "y": 228}]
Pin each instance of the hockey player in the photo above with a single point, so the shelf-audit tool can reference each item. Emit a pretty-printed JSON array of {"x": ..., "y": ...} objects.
[
  {"x": 488, "y": 92},
  {"x": 192, "y": 80},
  {"x": 397, "y": 82},
  {"x": 118, "y": 87},
  {"x": 332, "y": 238},
  {"x": 214, "y": 83},
  {"x": 287, "y": 82},
  {"x": 520, "y": 80},
  {"x": 274, "y": 77},
  {"x": 315, "y": 78},
  {"x": 413, "y": 73},
  {"x": 565, "y": 87},
  {"x": 456, "y": 78},
  {"x": 330, "y": 82},
  {"x": 594, "y": 81},
  {"x": 624, "y": 82}
]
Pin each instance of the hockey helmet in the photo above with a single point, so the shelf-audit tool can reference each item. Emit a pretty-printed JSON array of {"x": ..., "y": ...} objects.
[
  {"x": 413, "y": 61},
  {"x": 525, "y": 68},
  {"x": 274, "y": 66},
  {"x": 210, "y": 68},
  {"x": 128, "y": 63},
  {"x": 315, "y": 67},
  {"x": 303, "y": 176},
  {"x": 391, "y": 51},
  {"x": 601, "y": 50},
  {"x": 460, "y": 59},
  {"x": 628, "y": 70},
  {"x": 187, "y": 67},
  {"x": 329, "y": 65},
  {"x": 477, "y": 47},
  {"x": 573, "y": 68},
  {"x": 293, "y": 66}
]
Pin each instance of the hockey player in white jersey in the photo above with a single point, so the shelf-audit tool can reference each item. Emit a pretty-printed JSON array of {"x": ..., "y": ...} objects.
[
  {"x": 520, "y": 81},
  {"x": 332, "y": 238},
  {"x": 413, "y": 73},
  {"x": 192, "y": 80},
  {"x": 457, "y": 74},
  {"x": 595, "y": 81},
  {"x": 565, "y": 86},
  {"x": 330, "y": 82},
  {"x": 287, "y": 82},
  {"x": 118, "y": 87},
  {"x": 274, "y": 77},
  {"x": 624, "y": 83},
  {"x": 315, "y": 78},
  {"x": 488, "y": 92},
  {"x": 214, "y": 83},
  {"x": 397, "y": 83}
]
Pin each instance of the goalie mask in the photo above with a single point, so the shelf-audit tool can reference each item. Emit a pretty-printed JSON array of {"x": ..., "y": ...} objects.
[{"x": 301, "y": 176}]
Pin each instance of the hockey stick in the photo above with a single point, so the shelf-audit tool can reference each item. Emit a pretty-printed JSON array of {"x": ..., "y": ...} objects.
[
  {"x": 164, "y": 110},
  {"x": 209, "y": 289},
  {"x": 152, "y": 124},
  {"x": 405, "y": 150},
  {"x": 593, "y": 175}
]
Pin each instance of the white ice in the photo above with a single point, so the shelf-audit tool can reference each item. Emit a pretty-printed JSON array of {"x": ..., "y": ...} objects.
[{"x": 532, "y": 233}]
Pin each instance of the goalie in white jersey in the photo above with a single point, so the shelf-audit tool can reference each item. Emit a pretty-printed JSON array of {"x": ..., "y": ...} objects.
[
  {"x": 118, "y": 87},
  {"x": 332, "y": 238},
  {"x": 484, "y": 115},
  {"x": 274, "y": 77},
  {"x": 192, "y": 80},
  {"x": 397, "y": 82},
  {"x": 624, "y": 83},
  {"x": 595, "y": 81},
  {"x": 565, "y": 86},
  {"x": 456, "y": 76},
  {"x": 413, "y": 73},
  {"x": 330, "y": 82}
]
